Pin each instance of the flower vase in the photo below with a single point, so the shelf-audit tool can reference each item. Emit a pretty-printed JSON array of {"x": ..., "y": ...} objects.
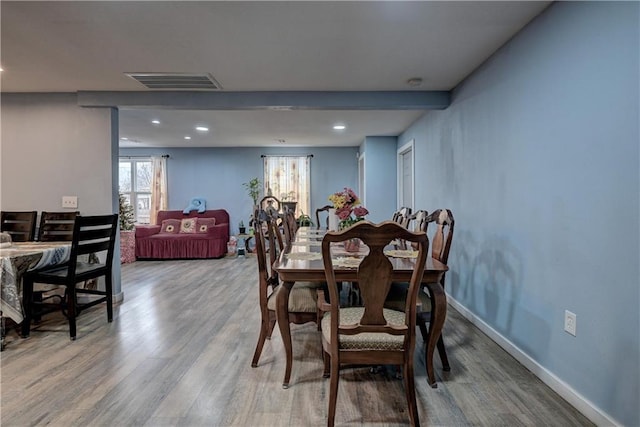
[
  {"x": 334, "y": 221},
  {"x": 352, "y": 245}
]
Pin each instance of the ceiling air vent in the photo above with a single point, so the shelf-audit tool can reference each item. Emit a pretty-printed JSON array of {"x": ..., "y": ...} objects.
[{"x": 176, "y": 81}]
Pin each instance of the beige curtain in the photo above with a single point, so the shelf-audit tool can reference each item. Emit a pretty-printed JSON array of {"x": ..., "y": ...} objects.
[
  {"x": 158, "y": 187},
  {"x": 288, "y": 179}
]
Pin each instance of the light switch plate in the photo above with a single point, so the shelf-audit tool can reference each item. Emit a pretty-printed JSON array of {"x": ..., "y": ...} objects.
[{"x": 70, "y": 202}]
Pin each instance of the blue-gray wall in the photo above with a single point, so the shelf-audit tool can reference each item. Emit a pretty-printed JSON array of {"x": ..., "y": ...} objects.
[
  {"x": 217, "y": 174},
  {"x": 538, "y": 159}
]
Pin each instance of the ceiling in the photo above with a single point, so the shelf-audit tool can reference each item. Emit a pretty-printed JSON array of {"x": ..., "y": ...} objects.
[{"x": 260, "y": 46}]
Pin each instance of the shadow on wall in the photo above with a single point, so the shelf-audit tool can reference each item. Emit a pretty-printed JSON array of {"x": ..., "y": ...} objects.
[{"x": 488, "y": 280}]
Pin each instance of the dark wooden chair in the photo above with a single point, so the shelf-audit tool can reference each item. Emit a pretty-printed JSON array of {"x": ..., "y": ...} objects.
[
  {"x": 91, "y": 235},
  {"x": 270, "y": 205},
  {"x": 440, "y": 244},
  {"x": 402, "y": 216},
  {"x": 21, "y": 226},
  {"x": 290, "y": 227},
  {"x": 56, "y": 226},
  {"x": 303, "y": 297},
  {"x": 323, "y": 209},
  {"x": 372, "y": 334}
]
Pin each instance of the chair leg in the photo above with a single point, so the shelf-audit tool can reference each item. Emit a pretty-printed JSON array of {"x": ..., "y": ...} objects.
[
  {"x": 272, "y": 324},
  {"x": 333, "y": 391},
  {"x": 264, "y": 332},
  {"x": 71, "y": 310},
  {"x": 109, "y": 291},
  {"x": 410, "y": 391},
  {"x": 443, "y": 355},
  {"x": 266, "y": 328},
  {"x": 326, "y": 358}
]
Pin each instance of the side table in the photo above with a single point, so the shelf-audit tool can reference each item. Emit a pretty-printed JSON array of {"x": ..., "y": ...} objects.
[{"x": 243, "y": 244}]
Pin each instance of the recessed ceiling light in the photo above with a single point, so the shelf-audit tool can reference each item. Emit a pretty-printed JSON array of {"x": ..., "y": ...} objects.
[
  {"x": 187, "y": 137},
  {"x": 339, "y": 127},
  {"x": 414, "y": 81},
  {"x": 202, "y": 129},
  {"x": 155, "y": 122},
  {"x": 124, "y": 138},
  {"x": 1, "y": 69}
]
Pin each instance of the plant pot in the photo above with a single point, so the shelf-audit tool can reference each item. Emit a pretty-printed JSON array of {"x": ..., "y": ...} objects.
[
  {"x": 242, "y": 230},
  {"x": 127, "y": 247}
]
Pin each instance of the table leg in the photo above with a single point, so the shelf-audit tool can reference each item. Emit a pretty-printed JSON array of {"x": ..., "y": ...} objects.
[
  {"x": 438, "y": 316},
  {"x": 27, "y": 305},
  {"x": 282, "y": 314}
]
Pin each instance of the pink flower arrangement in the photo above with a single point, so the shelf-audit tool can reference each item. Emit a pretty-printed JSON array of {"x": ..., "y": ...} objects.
[{"x": 346, "y": 204}]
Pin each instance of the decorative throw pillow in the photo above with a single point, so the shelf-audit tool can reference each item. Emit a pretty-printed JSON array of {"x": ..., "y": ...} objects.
[
  {"x": 203, "y": 224},
  {"x": 188, "y": 225},
  {"x": 170, "y": 226}
]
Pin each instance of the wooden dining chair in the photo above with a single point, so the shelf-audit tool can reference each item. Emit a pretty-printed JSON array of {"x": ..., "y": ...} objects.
[
  {"x": 441, "y": 238},
  {"x": 372, "y": 334},
  {"x": 91, "y": 235},
  {"x": 56, "y": 226},
  {"x": 303, "y": 297},
  {"x": 290, "y": 226},
  {"x": 402, "y": 216},
  {"x": 21, "y": 226},
  {"x": 323, "y": 209}
]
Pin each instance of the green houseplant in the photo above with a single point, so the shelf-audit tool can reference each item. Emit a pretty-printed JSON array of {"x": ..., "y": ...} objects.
[
  {"x": 126, "y": 215},
  {"x": 253, "y": 188}
]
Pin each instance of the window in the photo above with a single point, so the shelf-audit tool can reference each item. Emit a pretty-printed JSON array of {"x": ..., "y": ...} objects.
[
  {"x": 288, "y": 179},
  {"x": 136, "y": 176}
]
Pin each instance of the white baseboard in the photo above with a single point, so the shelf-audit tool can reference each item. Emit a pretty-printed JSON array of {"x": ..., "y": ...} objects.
[{"x": 586, "y": 407}]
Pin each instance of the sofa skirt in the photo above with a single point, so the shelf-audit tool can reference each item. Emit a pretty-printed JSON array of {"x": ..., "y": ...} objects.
[{"x": 179, "y": 247}]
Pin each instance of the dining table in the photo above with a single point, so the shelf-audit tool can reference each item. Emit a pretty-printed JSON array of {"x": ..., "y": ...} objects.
[
  {"x": 15, "y": 261},
  {"x": 302, "y": 261}
]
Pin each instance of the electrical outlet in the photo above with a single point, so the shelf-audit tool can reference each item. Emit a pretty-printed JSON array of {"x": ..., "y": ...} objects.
[
  {"x": 70, "y": 202},
  {"x": 570, "y": 321}
]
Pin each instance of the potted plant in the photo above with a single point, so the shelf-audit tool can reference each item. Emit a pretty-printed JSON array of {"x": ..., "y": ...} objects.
[
  {"x": 253, "y": 188},
  {"x": 305, "y": 220},
  {"x": 127, "y": 234},
  {"x": 241, "y": 227}
]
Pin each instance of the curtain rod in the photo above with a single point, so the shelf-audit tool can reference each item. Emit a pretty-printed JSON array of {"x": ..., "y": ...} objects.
[
  {"x": 286, "y": 155},
  {"x": 164, "y": 156}
]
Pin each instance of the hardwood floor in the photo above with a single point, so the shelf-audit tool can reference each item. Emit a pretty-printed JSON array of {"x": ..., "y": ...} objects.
[{"x": 179, "y": 353}]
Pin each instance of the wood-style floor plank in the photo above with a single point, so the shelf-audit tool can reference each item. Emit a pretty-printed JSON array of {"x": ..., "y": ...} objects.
[{"x": 178, "y": 353}]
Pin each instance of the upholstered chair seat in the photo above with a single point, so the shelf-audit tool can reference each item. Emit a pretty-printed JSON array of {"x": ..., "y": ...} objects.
[
  {"x": 302, "y": 299},
  {"x": 366, "y": 340}
]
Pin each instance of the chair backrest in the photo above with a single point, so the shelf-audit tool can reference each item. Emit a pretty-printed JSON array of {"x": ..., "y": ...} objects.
[
  {"x": 419, "y": 219},
  {"x": 290, "y": 226},
  {"x": 271, "y": 205},
  {"x": 442, "y": 236},
  {"x": 21, "y": 226},
  {"x": 265, "y": 243},
  {"x": 56, "y": 226},
  {"x": 92, "y": 235},
  {"x": 374, "y": 276},
  {"x": 402, "y": 216},
  {"x": 323, "y": 209}
]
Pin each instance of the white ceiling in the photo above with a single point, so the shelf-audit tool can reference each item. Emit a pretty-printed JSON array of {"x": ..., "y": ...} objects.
[{"x": 56, "y": 46}]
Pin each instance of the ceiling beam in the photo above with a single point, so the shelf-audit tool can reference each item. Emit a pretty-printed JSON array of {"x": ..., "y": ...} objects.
[{"x": 287, "y": 100}]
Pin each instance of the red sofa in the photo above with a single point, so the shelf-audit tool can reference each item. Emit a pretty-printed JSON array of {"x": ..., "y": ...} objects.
[{"x": 158, "y": 242}]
